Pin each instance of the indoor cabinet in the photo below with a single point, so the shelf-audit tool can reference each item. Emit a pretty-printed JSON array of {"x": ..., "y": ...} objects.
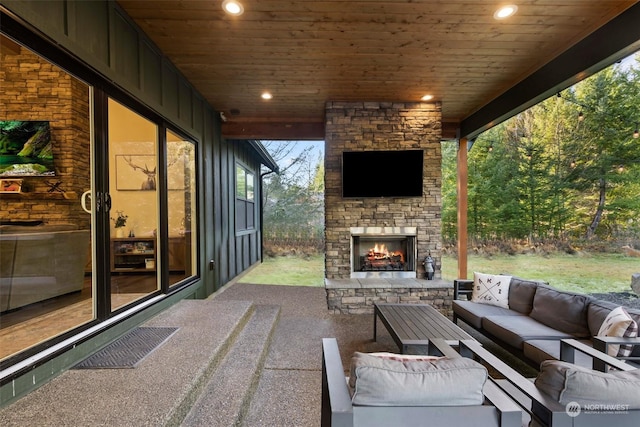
[{"x": 133, "y": 254}]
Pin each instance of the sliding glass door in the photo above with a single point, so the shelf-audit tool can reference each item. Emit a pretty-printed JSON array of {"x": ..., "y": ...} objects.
[
  {"x": 46, "y": 269},
  {"x": 133, "y": 171},
  {"x": 98, "y": 204}
]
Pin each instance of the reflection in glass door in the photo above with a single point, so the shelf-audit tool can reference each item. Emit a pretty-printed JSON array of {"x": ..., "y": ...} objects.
[
  {"x": 181, "y": 184},
  {"x": 46, "y": 286},
  {"x": 133, "y": 164}
]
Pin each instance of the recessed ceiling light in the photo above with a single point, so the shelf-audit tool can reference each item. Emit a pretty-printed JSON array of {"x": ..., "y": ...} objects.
[
  {"x": 266, "y": 95},
  {"x": 232, "y": 7},
  {"x": 427, "y": 98},
  {"x": 505, "y": 11}
]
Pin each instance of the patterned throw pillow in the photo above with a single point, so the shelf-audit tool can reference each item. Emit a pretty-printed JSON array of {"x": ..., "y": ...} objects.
[
  {"x": 618, "y": 323},
  {"x": 492, "y": 289}
]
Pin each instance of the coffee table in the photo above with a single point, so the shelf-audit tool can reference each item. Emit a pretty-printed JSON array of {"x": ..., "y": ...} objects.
[{"x": 416, "y": 324}]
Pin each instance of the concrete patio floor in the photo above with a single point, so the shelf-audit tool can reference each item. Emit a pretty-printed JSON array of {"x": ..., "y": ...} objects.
[{"x": 288, "y": 380}]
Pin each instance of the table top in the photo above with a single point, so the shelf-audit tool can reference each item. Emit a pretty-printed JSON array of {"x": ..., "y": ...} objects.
[{"x": 417, "y": 323}]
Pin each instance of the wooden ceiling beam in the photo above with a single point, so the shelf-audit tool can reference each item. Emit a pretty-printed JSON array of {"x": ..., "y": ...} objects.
[
  {"x": 297, "y": 131},
  {"x": 284, "y": 131},
  {"x": 450, "y": 130}
]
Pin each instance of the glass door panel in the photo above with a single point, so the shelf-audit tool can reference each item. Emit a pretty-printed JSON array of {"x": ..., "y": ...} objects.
[
  {"x": 46, "y": 270},
  {"x": 133, "y": 163},
  {"x": 181, "y": 183}
]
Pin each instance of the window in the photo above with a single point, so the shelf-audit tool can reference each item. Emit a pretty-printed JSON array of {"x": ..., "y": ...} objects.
[
  {"x": 181, "y": 200},
  {"x": 245, "y": 199}
]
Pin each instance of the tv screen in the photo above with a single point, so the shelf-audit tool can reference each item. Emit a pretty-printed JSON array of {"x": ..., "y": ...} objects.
[
  {"x": 25, "y": 148},
  {"x": 396, "y": 173}
]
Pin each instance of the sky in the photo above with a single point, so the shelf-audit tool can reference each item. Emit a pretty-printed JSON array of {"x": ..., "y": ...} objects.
[{"x": 318, "y": 149}]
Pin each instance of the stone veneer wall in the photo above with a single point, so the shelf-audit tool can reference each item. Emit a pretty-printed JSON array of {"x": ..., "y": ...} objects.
[
  {"x": 358, "y": 297},
  {"x": 34, "y": 89},
  {"x": 353, "y": 126}
]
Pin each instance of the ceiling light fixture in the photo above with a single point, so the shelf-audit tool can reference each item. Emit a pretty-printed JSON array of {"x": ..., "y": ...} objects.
[
  {"x": 266, "y": 95},
  {"x": 505, "y": 11},
  {"x": 427, "y": 97},
  {"x": 232, "y": 7}
]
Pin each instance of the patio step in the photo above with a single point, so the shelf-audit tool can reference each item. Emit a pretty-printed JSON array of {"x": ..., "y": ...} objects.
[
  {"x": 226, "y": 397},
  {"x": 207, "y": 370}
]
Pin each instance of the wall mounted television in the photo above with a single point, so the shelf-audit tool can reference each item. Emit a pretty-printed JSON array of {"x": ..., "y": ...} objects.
[
  {"x": 25, "y": 148},
  {"x": 382, "y": 173}
]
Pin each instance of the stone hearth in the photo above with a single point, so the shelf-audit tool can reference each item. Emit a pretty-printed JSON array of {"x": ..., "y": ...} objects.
[{"x": 357, "y": 296}]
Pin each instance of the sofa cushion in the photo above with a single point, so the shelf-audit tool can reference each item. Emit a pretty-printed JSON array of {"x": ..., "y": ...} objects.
[
  {"x": 540, "y": 350},
  {"x": 566, "y": 382},
  {"x": 597, "y": 311},
  {"x": 491, "y": 289},
  {"x": 515, "y": 330},
  {"x": 473, "y": 313},
  {"x": 564, "y": 311},
  {"x": 443, "y": 382},
  {"x": 521, "y": 293},
  {"x": 618, "y": 324}
]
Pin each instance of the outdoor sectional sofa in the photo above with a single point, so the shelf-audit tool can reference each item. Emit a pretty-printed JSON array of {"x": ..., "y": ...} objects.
[
  {"x": 402, "y": 392},
  {"x": 535, "y": 317}
]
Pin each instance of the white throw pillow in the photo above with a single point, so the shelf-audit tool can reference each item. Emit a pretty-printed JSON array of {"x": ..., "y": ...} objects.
[
  {"x": 492, "y": 289},
  {"x": 618, "y": 323}
]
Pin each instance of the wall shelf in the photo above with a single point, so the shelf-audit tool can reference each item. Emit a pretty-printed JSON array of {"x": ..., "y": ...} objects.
[{"x": 68, "y": 195}]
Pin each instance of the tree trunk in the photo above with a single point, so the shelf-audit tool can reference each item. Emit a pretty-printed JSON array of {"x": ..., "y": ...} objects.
[{"x": 591, "y": 230}]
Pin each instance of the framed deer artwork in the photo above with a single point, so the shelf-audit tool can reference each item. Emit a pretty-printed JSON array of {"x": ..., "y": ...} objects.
[{"x": 136, "y": 172}]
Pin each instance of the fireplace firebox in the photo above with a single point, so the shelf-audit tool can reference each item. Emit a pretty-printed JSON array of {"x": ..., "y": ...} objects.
[{"x": 386, "y": 252}]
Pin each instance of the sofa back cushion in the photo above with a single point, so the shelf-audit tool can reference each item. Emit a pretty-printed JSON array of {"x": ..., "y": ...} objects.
[
  {"x": 381, "y": 381},
  {"x": 521, "y": 293},
  {"x": 597, "y": 311},
  {"x": 564, "y": 311},
  {"x": 566, "y": 382}
]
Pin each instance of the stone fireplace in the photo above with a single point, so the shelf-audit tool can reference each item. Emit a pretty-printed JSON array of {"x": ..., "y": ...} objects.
[
  {"x": 352, "y": 225},
  {"x": 365, "y": 126}
]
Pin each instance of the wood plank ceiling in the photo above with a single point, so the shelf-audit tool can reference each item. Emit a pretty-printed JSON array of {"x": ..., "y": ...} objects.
[{"x": 306, "y": 53}]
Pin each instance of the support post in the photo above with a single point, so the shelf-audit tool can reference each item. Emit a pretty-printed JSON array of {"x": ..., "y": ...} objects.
[{"x": 462, "y": 208}]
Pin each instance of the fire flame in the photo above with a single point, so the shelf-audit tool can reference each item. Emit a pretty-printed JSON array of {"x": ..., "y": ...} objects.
[{"x": 381, "y": 252}]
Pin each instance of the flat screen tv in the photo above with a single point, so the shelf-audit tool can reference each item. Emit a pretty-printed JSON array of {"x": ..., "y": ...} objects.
[
  {"x": 392, "y": 173},
  {"x": 25, "y": 148}
]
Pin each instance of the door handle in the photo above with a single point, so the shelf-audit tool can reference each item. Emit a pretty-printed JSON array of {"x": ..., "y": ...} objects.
[{"x": 83, "y": 201}]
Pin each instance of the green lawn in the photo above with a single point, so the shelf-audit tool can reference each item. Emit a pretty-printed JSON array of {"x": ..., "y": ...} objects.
[
  {"x": 585, "y": 273},
  {"x": 288, "y": 270}
]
